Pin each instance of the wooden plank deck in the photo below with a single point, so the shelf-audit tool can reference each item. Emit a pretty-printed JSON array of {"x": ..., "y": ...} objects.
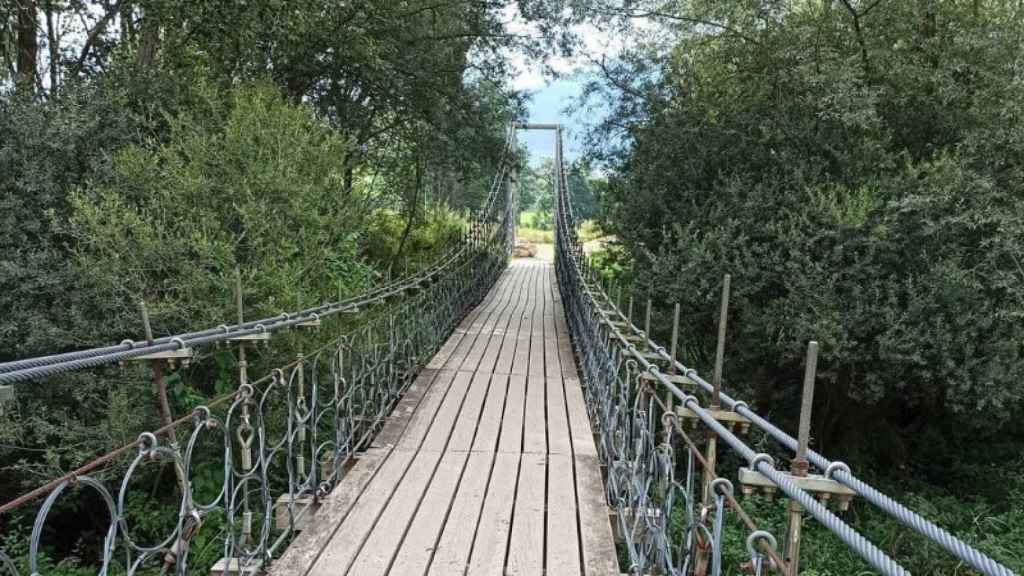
[{"x": 487, "y": 466}]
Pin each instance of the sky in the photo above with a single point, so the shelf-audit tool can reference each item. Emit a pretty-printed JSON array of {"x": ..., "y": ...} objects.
[
  {"x": 551, "y": 96},
  {"x": 548, "y": 105}
]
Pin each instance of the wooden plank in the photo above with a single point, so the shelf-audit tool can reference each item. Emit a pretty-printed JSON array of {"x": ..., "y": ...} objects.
[
  {"x": 596, "y": 538},
  {"x": 552, "y": 362},
  {"x": 511, "y": 440},
  {"x": 535, "y": 434},
  {"x": 304, "y": 551},
  {"x": 559, "y": 438},
  {"x": 469, "y": 416},
  {"x": 423, "y": 417},
  {"x": 526, "y": 547},
  {"x": 579, "y": 421},
  {"x": 444, "y": 421},
  {"x": 510, "y": 359},
  {"x": 382, "y": 544},
  {"x": 456, "y": 542},
  {"x": 488, "y": 557},
  {"x": 521, "y": 363},
  {"x": 563, "y": 544},
  {"x": 339, "y": 553},
  {"x": 566, "y": 359},
  {"x": 490, "y": 418},
  {"x": 425, "y": 530},
  {"x": 537, "y": 327},
  {"x": 536, "y": 367}
]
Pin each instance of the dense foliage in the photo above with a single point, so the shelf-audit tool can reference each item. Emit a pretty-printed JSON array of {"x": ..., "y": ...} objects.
[
  {"x": 150, "y": 148},
  {"x": 859, "y": 169}
]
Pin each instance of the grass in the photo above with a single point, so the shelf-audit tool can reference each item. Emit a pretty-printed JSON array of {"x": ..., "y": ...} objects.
[
  {"x": 533, "y": 228},
  {"x": 535, "y": 235}
]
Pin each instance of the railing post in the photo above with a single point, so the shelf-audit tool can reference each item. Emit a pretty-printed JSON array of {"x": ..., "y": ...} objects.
[
  {"x": 716, "y": 400},
  {"x": 669, "y": 397},
  {"x": 244, "y": 433},
  {"x": 647, "y": 319},
  {"x": 799, "y": 464},
  {"x": 160, "y": 389}
]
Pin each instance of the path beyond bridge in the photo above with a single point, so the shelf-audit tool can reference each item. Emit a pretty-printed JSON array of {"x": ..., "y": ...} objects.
[{"x": 487, "y": 465}]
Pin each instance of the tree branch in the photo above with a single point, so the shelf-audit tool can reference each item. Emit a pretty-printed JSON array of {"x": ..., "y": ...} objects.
[
  {"x": 94, "y": 34},
  {"x": 634, "y": 14},
  {"x": 859, "y": 33}
]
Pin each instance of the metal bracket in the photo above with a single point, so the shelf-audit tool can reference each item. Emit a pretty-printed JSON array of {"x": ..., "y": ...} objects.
[
  {"x": 231, "y": 567},
  {"x": 6, "y": 395},
  {"x": 182, "y": 354},
  {"x": 822, "y": 487},
  {"x": 728, "y": 418},
  {"x": 628, "y": 337},
  {"x": 677, "y": 379},
  {"x": 254, "y": 337},
  {"x": 652, "y": 357}
]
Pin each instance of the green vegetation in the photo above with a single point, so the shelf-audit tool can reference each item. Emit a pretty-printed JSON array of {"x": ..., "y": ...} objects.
[
  {"x": 536, "y": 201},
  {"x": 858, "y": 167},
  {"x": 148, "y": 148}
]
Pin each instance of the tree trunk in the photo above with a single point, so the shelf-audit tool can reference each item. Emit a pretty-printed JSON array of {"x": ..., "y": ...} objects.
[
  {"x": 149, "y": 45},
  {"x": 27, "y": 45},
  {"x": 413, "y": 210},
  {"x": 53, "y": 43}
]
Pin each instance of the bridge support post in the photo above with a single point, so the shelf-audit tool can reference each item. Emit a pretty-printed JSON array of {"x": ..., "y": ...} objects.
[
  {"x": 799, "y": 464},
  {"x": 670, "y": 399},
  {"x": 716, "y": 400}
]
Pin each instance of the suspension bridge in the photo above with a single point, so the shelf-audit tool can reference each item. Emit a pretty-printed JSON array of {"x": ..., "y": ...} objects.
[{"x": 477, "y": 417}]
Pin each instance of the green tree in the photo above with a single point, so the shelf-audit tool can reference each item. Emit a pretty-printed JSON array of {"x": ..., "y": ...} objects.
[{"x": 858, "y": 168}]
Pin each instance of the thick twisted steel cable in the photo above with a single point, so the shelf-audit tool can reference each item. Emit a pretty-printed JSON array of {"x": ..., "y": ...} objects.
[
  {"x": 857, "y": 542},
  {"x": 29, "y": 368},
  {"x": 21, "y": 370},
  {"x": 97, "y": 357},
  {"x": 841, "y": 474}
]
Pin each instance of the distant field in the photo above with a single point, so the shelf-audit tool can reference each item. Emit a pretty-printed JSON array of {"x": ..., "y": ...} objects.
[{"x": 528, "y": 230}]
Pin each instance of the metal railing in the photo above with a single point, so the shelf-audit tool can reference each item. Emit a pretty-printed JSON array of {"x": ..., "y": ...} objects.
[
  {"x": 669, "y": 502},
  {"x": 283, "y": 441}
]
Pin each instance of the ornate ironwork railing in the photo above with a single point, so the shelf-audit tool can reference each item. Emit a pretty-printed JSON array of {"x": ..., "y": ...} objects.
[
  {"x": 280, "y": 442},
  {"x": 650, "y": 412}
]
